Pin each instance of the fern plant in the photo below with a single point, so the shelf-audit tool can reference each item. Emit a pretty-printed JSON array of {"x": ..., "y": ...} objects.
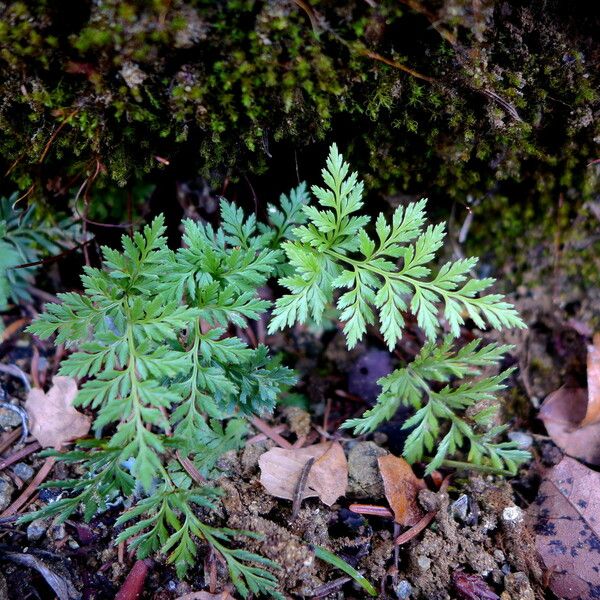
[
  {"x": 171, "y": 387},
  {"x": 24, "y": 240},
  {"x": 162, "y": 375},
  {"x": 378, "y": 279}
]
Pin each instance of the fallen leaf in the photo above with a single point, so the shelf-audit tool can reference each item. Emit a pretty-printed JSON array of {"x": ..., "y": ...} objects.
[
  {"x": 280, "y": 470},
  {"x": 562, "y": 413},
  {"x": 566, "y": 516},
  {"x": 592, "y": 414},
  {"x": 401, "y": 489},
  {"x": 53, "y": 419},
  {"x": 572, "y": 414}
]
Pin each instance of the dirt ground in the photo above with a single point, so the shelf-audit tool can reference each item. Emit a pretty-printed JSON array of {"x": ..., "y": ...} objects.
[{"x": 479, "y": 545}]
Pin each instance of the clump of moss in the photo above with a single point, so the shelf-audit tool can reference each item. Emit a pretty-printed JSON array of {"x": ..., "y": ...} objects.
[{"x": 440, "y": 98}]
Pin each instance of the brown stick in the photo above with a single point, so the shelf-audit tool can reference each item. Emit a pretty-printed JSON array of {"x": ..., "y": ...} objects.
[
  {"x": 415, "y": 529},
  {"x": 300, "y": 486},
  {"x": 10, "y": 439},
  {"x": 190, "y": 468},
  {"x": 56, "y": 132},
  {"x": 395, "y": 65},
  {"x": 261, "y": 437},
  {"x": 133, "y": 586},
  {"x": 270, "y": 432},
  {"x": 17, "y": 456},
  {"x": 31, "y": 488},
  {"x": 14, "y": 327},
  {"x": 370, "y": 509}
]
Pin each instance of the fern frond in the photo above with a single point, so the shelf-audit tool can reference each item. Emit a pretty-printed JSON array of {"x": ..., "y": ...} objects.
[
  {"x": 334, "y": 251},
  {"x": 150, "y": 339},
  {"x": 413, "y": 386},
  {"x": 25, "y": 239}
]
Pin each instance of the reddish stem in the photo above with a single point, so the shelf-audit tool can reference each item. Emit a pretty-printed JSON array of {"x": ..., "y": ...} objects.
[
  {"x": 371, "y": 509},
  {"x": 133, "y": 586}
]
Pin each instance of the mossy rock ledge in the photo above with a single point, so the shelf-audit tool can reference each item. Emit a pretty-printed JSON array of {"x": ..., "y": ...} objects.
[{"x": 491, "y": 103}]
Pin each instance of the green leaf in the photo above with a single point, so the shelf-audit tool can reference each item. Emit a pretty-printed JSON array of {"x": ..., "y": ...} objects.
[{"x": 341, "y": 564}]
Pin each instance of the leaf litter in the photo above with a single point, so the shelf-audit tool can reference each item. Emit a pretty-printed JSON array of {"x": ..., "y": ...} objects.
[
  {"x": 54, "y": 420},
  {"x": 571, "y": 415},
  {"x": 566, "y": 517},
  {"x": 281, "y": 469},
  {"x": 401, "y": 489}
]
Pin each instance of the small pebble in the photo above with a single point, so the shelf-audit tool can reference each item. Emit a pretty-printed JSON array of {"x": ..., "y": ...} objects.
[
  {"x": 429, "y": 500},
  {"x": 460, "y": 508},
  {"x": 518, "y": 587},
  {"x": 9, "y": 419},
  {"x": 37, "y": 529},
  {"x": 497, "y": 576},
  {"x": 512, "y": 515},
  {"x": 424, "y": 563},
  {"x": 403, "y": 589},
  {"x": 23, "y": 471},
  {"x": 523, "y": 440},
  {"x": 6, "y": 492},
  {"x": 58, "y": 532},
  {"x": 49, "y": 494}
]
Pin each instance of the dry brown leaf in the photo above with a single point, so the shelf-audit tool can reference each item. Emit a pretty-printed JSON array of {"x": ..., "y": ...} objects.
[
  {"x": 280, "y": 470},
  {"x": 562, "y": 413},
  {"x": 401, "y": 489},
  {"x": 54, "y": 421},
  {"x": 572, "y": 415},
  {"x": 592, "y": 414},
  {"x": 566, "y": 517}
]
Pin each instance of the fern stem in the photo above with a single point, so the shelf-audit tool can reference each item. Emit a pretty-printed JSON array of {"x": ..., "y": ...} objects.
[{"x": 465, "y": 466}]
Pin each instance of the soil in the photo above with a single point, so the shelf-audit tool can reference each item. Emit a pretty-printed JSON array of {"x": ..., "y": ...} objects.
[{"x": 478, "y": 545}]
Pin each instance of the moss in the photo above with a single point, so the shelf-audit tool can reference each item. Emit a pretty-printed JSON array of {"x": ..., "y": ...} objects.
[{"x": 508, "y": 117}]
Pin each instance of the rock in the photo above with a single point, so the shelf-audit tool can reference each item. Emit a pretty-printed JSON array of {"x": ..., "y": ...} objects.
[
  {"x": 132, "y": 74},
  {"x": 57, "y": 532},
  {"x": 298, "y": 420},
  {"x": 517, "y": 587},
  {"x": 9, "y": 419},
  {"x": 23, "y": 471},
  {"x": 251, "y": 454},
  {"x": 364, "y": 480},
  {"x": 429, "y": 500},
  {"x": 49, "y": 494},
  {"x": 524, "y": 440},
  {"x": 512, "y": 515},
  {"x": 403, "y": 590},
  {"x": 424, "y": 563},
  {"x": 37, "y": 529},
  {"x": 6, "y": 492},
  {"x": 459, "y": 509}
]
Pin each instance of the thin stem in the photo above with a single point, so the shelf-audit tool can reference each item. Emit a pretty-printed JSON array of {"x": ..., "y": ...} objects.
[
  {"x": 465, "y": 466},
  {"x": 135, "y": 397}
]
